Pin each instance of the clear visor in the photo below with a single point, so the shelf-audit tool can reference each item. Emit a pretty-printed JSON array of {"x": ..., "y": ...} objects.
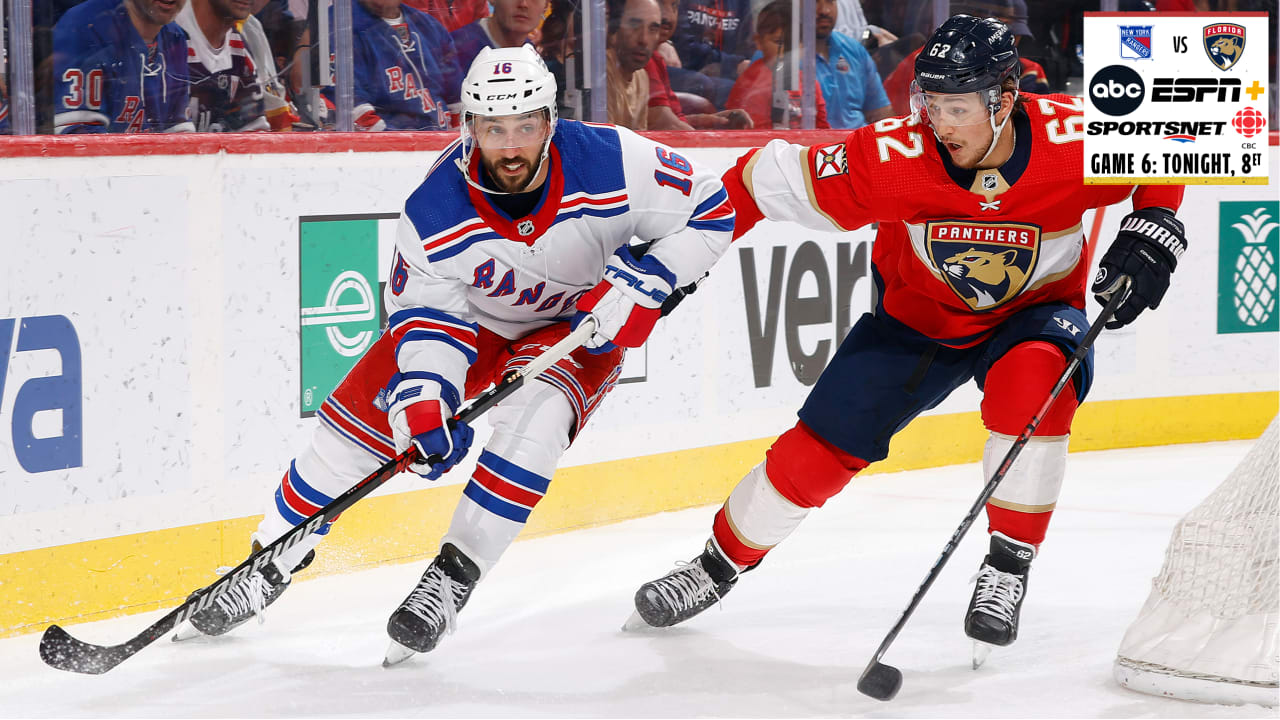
[
  {"x": 951, "y": 109},
  {"x": 508, "y": 131}
]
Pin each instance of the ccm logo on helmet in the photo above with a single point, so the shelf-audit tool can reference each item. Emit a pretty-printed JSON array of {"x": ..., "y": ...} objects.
[{"x": 505, "y": 96}]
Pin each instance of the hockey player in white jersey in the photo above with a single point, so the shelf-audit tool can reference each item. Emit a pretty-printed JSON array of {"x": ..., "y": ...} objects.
[{"x": 521, "y": 227}]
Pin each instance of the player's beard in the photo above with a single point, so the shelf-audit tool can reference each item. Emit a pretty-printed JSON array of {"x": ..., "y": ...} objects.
[{"x": 506, "y": 182}]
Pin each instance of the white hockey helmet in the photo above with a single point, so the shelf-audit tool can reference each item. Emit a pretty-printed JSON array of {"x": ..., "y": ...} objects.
[{"x": 506, "y": 81}]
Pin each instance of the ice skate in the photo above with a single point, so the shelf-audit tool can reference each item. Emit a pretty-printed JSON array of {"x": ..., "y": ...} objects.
[
  {"x": 244, "y": 599},
  {"x": 431, "y": 609},
  {"x": 992, "y": 618},
  {"x": 684, "y": 592}
]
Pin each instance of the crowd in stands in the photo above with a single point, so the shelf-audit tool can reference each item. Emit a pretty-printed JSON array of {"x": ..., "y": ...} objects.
[{"x": 256, "y": 65}]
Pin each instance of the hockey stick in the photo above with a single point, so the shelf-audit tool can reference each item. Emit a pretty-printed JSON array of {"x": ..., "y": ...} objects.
[
  {"x": 60, "y": 650},
  {"x": 882, "y": 681}
]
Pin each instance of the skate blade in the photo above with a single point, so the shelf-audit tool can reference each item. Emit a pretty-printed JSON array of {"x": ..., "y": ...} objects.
[
  {"x": 396, "y": 654},
  {"x": 980, "y": 652},
  {"x": 635, "y": 623},
  {"x": 186, "y": 631}
]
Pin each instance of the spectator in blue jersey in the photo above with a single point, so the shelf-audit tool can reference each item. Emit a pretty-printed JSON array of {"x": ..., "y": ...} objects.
[
  {"x": 715, "y": 41},
  {"x": 508, "y": 26},
  {"x": 406, "y": 68},
  {"x": 225, "y": 93},
  {"x": 850, "y": 83},
  {"x": 120, "y": 66}
]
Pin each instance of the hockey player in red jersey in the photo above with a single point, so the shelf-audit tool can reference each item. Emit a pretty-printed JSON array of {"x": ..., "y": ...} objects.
[{"x": 979, "y": 265}]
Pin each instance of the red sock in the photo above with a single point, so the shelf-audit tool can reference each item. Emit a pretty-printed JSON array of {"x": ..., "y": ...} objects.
[{"x": 1015, "y": 388}]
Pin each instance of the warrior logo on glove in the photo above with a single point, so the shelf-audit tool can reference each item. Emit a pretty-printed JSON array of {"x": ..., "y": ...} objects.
[{"x": 1146, "y": 250}]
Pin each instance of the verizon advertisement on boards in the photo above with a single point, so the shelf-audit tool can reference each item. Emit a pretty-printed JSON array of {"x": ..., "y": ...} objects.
[{"x": 168, "y": 326}]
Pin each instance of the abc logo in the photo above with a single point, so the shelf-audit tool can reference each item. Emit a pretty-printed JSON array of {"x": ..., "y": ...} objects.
[{"x": 1116, "y": 90}]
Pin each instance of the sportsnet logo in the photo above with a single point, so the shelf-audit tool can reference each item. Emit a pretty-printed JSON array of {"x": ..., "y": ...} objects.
[{"x": 1135, "y": 42}]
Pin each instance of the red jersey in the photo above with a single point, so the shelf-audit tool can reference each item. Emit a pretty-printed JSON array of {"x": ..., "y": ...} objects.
[
  {"x": 957, "y": 251},
  {"x": 753, "y": 92}
]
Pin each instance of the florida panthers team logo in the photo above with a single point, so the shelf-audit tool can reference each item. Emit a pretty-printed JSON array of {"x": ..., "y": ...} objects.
[
  {"x": 985, "y": 264},
  {"x": 1224, "y": 42}
]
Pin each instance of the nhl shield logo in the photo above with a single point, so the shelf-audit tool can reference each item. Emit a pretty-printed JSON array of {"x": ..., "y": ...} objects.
[
  {"x": 985, "y": 264},
  {"x": 1224, "y": 44},
  {"x": 1135, "y": 42},
  {"x": 990, "y": 181},
  {"x": 525, "y": 228}
]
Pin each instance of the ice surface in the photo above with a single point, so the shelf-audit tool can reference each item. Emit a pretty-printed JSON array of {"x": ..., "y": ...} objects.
[{"x": 541, "y": 635}]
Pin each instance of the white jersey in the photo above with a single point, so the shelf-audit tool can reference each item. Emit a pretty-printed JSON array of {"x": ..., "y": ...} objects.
[
  {"x": 225, "y": 93},
  {"x": 461, "y": 262}
]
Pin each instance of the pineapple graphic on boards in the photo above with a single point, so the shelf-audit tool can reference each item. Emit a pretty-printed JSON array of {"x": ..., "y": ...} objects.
[{"x": 1248, "y": 245}]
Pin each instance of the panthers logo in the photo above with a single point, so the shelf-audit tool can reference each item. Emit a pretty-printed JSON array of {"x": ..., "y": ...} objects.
[
  {"x": 991, "y": 277},
  {"x": 1224, "y": 43},
  {"x": 986, "y": 265}
]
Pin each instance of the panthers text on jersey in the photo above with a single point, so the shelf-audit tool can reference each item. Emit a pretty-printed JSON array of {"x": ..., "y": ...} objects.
[
  {"x": 107, "y": 79},
  {"x": 957, "y": 251},
  {"x": 225, "y": 94},
  {"x": 461, "y": 262}
]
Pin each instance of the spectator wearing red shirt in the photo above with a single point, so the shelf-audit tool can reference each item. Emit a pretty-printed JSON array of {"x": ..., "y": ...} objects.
[
  {"x": 753, "y": 91},
  {"x": 453, "y": 14}
]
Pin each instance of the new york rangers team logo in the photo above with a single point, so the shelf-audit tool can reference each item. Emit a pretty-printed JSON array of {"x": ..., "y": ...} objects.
[
  {"x": 1135, "y": 42},
  {"x": 1224, "y": 43},
  {"x": 985, "y": 264}
]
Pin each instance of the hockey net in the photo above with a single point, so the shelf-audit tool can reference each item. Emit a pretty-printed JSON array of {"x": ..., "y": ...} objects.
[{"x": 1210, "y": 630}]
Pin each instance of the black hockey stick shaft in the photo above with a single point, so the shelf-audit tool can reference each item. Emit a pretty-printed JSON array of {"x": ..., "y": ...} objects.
[
  {"x": 60, "y": 650},
  {"x": 882, "y": 681}
]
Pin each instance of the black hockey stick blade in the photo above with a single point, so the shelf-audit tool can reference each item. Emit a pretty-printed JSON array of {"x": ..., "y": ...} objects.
[
  {"x": 880, "y": 681},
  {"x": 59, "y": 650}
]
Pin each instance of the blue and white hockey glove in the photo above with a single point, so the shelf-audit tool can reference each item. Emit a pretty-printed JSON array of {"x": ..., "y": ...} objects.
[
  {"x": 1146, "y": 249},
  {"x": 627, "y": 303},
  {"x": 418, "y": 415}
]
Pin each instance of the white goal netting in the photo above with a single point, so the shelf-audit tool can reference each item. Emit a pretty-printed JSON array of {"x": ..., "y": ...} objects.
[{"x": 1210, "y": 630}]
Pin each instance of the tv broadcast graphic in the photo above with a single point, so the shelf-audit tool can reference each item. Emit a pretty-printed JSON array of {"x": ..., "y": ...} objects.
[
  {"x": 1177, "y": 98},
  {"x": 639, "y": 358}
]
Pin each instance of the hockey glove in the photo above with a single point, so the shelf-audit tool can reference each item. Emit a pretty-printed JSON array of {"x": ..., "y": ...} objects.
[
  {"x": 678, "y": 295},
  {"x": 418, "y": 416},
  {"x": 1146, "y": 249},
  {"x": 627, "y": 303}
]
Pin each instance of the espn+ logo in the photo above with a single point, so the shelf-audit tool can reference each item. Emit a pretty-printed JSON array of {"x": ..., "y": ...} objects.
[{"x": 1118, "y": 90}]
